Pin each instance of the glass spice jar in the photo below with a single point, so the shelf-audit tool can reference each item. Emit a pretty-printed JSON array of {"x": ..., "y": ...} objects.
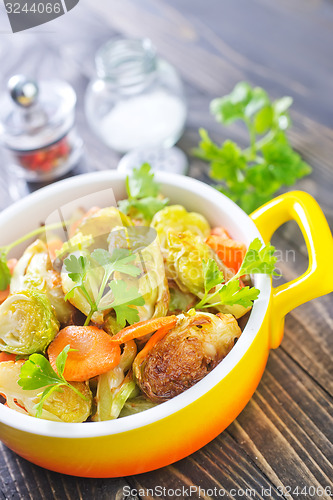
[
  {"x": 37, "y": 128},
  {"x": 137, "y": 99}
]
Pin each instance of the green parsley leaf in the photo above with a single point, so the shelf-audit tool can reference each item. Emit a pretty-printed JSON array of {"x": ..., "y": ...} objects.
[
  {"x": 231, "y": 293},
  {"x": 259, "y": 259},
  {"x": 148, "y": 207},
  {"x": 76, "y": 267},
  {"x": 124, "y": 298},
  {"x": 5, "y": 275},
  {"x": 242, "y": 102},
  {"x": 37, "y": 373},
  {"x": 120, "y": 261},
  {"x": 61, "y": 360},
  {"x": 253, "y": 175},
  {"x": 284, "y": 163},
  {"x": 143, "y": 194},
  {"x": 141, "y": 183},
  {"x": 212, "y": 275},
  {"x": 264, "y": 119}
]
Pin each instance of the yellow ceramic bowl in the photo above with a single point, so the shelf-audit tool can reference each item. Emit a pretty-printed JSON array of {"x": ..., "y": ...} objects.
[{"x": 174, "y": 429}]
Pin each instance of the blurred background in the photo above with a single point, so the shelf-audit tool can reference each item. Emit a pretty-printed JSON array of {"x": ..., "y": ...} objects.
[{"x": 286, "y": 47}]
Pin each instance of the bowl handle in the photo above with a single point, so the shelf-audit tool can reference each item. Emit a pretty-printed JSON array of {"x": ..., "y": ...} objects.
[{"x": 318, "y": 278}]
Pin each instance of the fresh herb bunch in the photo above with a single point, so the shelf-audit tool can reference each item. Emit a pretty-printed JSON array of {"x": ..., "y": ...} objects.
[
  {"x": 121, "y": 260},
  {"x": 258, "y": 259},
  {"x": 37, "y": 373},
  {"x": 251, "y": 176},
  {"x": 143, "y": 194}
]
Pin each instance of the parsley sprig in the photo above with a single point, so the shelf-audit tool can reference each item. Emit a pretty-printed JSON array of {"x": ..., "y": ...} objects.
[
  {"x": 259, "y": 259},
  {"x": 37, "y": 373},
  {"x": 143, "y": 194},
  {"x": 251, "y": 176},
  {"x": 121, "y": 260}
]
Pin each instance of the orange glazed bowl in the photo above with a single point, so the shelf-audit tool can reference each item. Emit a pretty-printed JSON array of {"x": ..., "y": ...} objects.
[{"x": 174, "y": 429}]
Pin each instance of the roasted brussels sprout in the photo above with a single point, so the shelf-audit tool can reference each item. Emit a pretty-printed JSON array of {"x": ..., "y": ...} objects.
[
  {"x": 27, "y": 323},
  {"x": 176, "y": 219},
  {"x": 64, "y": 406},
  {"x": 100, "y": 223},
  {"x": 34, "y": 270},
  {"x": 75, "y": 243},
  {"x": 186, "y": 354},
  {"x": 184, "y": 260},
  {"x": 184, "y": 266}
]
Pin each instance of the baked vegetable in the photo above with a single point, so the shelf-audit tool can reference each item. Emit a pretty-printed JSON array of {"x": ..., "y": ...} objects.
[
  {"x": 185, "y": 354},
  {"x": 92, "y": 352},
  {"x": 176, "y": 219},
  {"x": 99, "y": 223},
  {"x": 64, "y": 405},
  {"x": 114, "y": 387},
  {"x": 34, "y": 270},
  {"x": 185, "y": 254},
  {"x": 27, "y": 323},
  {"x": 154, "y": 307}
]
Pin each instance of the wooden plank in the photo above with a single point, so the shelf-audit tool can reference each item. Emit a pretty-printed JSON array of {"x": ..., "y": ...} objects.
[
  {"x": 221, "y": 466},
  {"x": 20, "y": 479},
  {"x": 287, "y": 426},
  {"x": 283, "y": 436}
]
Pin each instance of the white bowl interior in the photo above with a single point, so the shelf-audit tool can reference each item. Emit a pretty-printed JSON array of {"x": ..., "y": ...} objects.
[{"x": 28, "y": 213}]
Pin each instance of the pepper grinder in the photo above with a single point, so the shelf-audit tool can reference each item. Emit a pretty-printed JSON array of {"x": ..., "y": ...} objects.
[{"x": 37, "y": 128}]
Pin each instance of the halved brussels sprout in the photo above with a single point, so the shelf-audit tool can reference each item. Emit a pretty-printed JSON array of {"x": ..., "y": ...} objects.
[
  {"x": 186, "y": 354},
  {"x": 34, "y": 270},
  {"x": 77, "y": 242},
  {"x": 100, "y": 223},
  {"x": 184, "y": 260},
  {"x": 184, "y": 266},
  {"x": 27, "y": 323},
  {"x": 64, "y": 406},
  {"x": 176, "y": 219}
]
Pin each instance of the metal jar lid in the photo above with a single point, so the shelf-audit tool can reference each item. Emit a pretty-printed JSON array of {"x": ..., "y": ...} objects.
[{"x": 34, "y": 115}]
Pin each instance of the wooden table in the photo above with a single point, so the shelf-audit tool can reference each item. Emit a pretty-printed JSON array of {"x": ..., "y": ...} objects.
[{"x": 282, "y": 438}]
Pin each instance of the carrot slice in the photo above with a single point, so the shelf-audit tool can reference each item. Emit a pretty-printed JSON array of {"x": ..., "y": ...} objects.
[
  {"x": 4, "y": 356},
  {"x": 143, "y": 328},
  {"x": 94, "y": 354},
  {"x": 230, "y": 252},
  {"x": 151, "y": 343},
  {"x": 4, "y": 294}
]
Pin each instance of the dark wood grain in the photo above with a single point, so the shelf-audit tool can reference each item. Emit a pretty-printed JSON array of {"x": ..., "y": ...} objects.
[{"x": 284, "y": 435}]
